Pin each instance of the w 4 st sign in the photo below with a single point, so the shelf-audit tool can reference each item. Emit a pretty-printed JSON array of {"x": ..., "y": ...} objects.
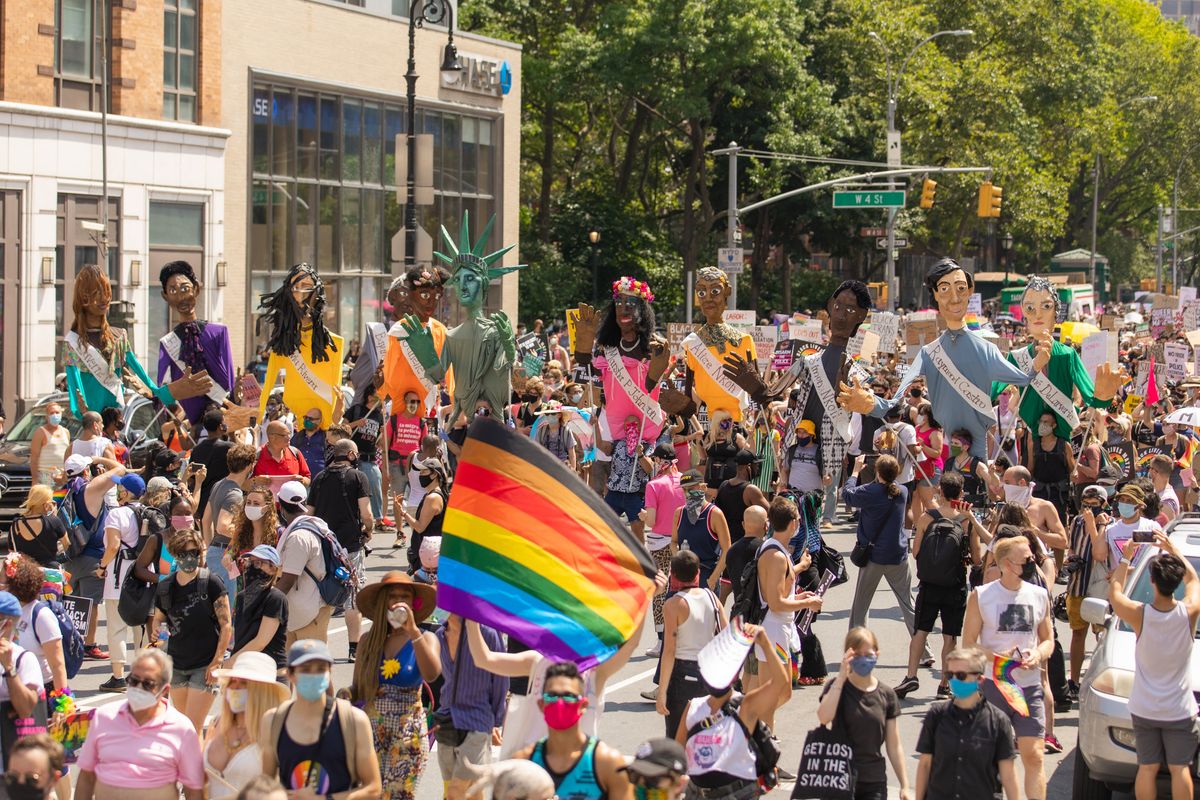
[{"x": 889, "y": 199}]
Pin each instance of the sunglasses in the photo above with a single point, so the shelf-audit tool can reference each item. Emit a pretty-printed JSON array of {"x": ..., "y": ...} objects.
[
  {"x": 726, "y": 424},
  {"x": 187, "y": 553},
  {"x": 566, "y": 697},
  {"x": 313, "y": 419},
  {"x": 142, "y": 683},
  {"x": 963, "y": 676}
]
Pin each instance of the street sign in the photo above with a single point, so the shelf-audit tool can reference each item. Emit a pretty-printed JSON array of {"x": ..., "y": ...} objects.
[
  {"x": 730, "y": 260},
  {"x": 867, "y": 233},
  {"x": 891, "y": 199},
  {"x": 893, "y": 149},
  {"x": 897, "y": 241}
]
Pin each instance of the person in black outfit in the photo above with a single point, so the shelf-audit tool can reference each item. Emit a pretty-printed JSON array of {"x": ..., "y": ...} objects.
[
  {"x": 211, "y": 453},
  {"x": 431, "y": 511},
  {"x": 734, "y": 496},
  {"x": 39, "y": 532},
  {"x": 365, "y": 420},
  {"x": 260, "y": 616},
  {"x": 341, "y": 496}
]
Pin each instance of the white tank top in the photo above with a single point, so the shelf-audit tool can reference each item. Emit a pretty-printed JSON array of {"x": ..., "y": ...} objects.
[
  {"x": 1162, "y": 688},
  {"x": 719, "y": 747},
  {"x": 700, "y": 626},
  {"x": 1011, "y": 619}
]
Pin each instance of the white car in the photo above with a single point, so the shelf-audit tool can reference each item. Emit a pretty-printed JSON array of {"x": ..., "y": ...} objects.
[{"x": 1107, "y": 759}]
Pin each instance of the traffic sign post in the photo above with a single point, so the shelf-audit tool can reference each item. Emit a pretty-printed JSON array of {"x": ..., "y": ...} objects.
[
  {"x": 730, "y": 259},
  {"x": 870, "y": 233},
  {"x": 881, "y": 199},
  {"x": 897, "y": 242}
]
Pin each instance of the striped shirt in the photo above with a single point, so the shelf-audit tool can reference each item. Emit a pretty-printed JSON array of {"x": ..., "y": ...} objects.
[
  {"x": 477, "y": 699},
  {"x": 1081, "y": 547}
]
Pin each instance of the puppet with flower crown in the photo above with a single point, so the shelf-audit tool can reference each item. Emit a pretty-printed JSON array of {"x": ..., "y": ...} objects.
[
  {"x": 628, "y": 356},
  {"x": 481, "y": 351}
]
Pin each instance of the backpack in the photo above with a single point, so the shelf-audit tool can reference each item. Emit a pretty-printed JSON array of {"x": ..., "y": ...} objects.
[
  {"x": 72, "y": 639},
  {"x": 334, "y": 588},
  {"x": 79, "y": 535},
  {"x": 765, "y": 751},
  {"x": 940, "y": 560},
  {"x": 748, "y": 605}
]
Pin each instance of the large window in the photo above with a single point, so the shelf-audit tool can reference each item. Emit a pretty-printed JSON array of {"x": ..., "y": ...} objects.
[
  {"x": 78, "y": 247},
  {"x": 181, "y": 39},
  {"x": 324, "y": 191},
  {"x": 10, "y": 307},
  {"x": 176, "y": 234},
  {"x": 76, "y": 69}
]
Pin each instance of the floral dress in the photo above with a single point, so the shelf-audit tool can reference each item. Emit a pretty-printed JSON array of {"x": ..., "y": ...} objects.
[{"x": 398, "y": 722}]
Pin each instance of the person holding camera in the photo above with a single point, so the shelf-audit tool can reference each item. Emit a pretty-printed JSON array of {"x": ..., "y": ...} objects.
[{"x": 341, "y": 496}]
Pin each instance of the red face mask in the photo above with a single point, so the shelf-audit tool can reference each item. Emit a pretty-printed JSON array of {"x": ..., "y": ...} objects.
[{"x": 561, "y": 715}]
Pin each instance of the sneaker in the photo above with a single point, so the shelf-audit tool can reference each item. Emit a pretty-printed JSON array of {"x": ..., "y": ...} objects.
[
  {"x": 649, "y": 694},
  {"x": 113, "y": 684},
  {"x": 1062, "y": 579},
  {"x": 353, "y": 652},
  {"x": 1052, "y": 744},
  {"x": 909, "y": 684},
  {"x": 1062, "y": 706},
  {"x": 784, "y": 775},
  {"x": 94, "y": 652},
  {"x": 927, "y": 661},
  {"x": 944, "y": 691},
  {"x": 655, "y": 651},
  {"x": 1073, "y": 689}
]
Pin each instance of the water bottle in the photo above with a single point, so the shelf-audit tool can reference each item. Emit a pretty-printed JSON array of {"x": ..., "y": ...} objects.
[{"x": 164, "y": 635}]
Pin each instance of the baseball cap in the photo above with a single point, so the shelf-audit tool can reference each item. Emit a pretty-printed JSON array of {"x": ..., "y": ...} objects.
[
  {"x": 658, "y": 757},
  {"x": 10, "y": 606},
  {"x": 158, "y": 483},
  {"x": 265, "y": 552},
  {"x": 293, "y": 493},
  {"x": 691, "y": 478},
  {"x": 131, "y": 483},
  {"x": 76, "y": 464},
  {"x": 1095, "y": 492},
  {"x": 301, "y": 652},
  {"x": 744, "y": 457}
]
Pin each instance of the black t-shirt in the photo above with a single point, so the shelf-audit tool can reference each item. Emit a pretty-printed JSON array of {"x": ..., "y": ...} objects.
[
  {"x": 740, "y": 554},
  {"x": 334, "y": 496},
  {"x": 967, "y": 745},
  {"x": 42, "y": 548},
  {"x": 253, "y": 606},
  {"x": 211, "y": 453},
  {"x": 366, "y": 436},
  {"x": 191, "y": 621},
  {"x": 864, "y": 716}
]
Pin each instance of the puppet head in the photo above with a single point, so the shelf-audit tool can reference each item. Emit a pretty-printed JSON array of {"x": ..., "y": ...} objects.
[
  {"x": 630, "y": 311},
  {"x": 397, "y": 297},
  {"x": 712, "y": 293},
  {"x": 425, "y": 286},
  {"x": 299, "y": 302},
  {"x": 93, "y": 296},
  {"x": 950, "y": 288},
  {"x": 180, "y": 287},
  {"x": 847, "y": 307},
  {"x": 472, "y": 270},
  {"x": 1039, "y": 306}
]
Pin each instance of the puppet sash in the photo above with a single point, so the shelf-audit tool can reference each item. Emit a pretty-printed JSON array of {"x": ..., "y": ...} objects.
[
  {"x": 172, "y": 346},
  {"x": 87, "y": 355},
  {"x": 1053, "y": 396},
  {"x": 708, "y": 362},
  {"x": 632, "y": 389},
  {"x": 314, "y": 381},
  {"x": 837, "y": 415},
  {"x": 975, "y": 397}
]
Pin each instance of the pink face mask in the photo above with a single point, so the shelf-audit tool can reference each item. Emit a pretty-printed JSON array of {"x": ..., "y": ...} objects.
[{"x": 561, "y": 715}]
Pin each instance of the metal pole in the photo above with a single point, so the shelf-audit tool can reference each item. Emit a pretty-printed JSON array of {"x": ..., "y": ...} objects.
[
  {"x": 410, "y": 202},
  {"x": 102, "y": 21},
  {"x": 890, "y": 271},
  {"x": 1174, "y": 228},
  {"x": 731, "y": 221},
  {"x": 1095, "y": 214},
  {"x": 1158, "y": 248}
]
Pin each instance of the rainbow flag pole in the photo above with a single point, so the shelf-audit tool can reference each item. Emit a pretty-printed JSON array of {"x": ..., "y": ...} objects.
[{"x": 530, "y": 550}]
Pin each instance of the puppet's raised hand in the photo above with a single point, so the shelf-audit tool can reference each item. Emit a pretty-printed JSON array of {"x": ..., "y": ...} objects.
[
  {"x": 856, "y": 397},
  {"x": 1109, "y": 381},
  {"x": 745, "y": 374},
  {"x": 420, "y": 340},
  {"x": 191, "y": 384},
  {"x": 505, "y": 331},
  {"x": 586, "y": 325}
]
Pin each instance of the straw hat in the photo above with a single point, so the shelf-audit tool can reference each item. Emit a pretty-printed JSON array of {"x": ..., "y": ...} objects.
[{"x": 424, "y": 595}]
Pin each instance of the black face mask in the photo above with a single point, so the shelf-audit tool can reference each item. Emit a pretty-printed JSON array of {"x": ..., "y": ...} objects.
[
  {"x": 425, "y": 480},
  {"x": 256, "y": 575},
  {"x": 19, "y": 790},
  {"x": 529, "y": 397},
  {"x": 1028, "y": 570}
]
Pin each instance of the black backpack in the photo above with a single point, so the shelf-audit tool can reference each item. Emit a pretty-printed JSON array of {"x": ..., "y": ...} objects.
[
  {"x": 748, "y": 606},
  {"x": 940, "y": 560},
  {"x": 79, "y": 535},
  {"x": 766, "y": 753}
]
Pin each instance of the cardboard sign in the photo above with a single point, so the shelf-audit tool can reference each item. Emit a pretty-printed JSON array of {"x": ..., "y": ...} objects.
[
  {"x": 740, "y": 318},
  {"x": 765, "y": 337},
  {"x": 863, "y": 344},
  {"x": 920, "y": 332},
  {"x": 975, "y": 305},
  {"x": 676, "y": 333},
  {"x": 70, "y": 732},
  {"x": 1094, "y": 351},
  {"x": 1176, "y": 356},
  {"x": 1193, "y": 338},
  {"x": 80, "y": 611},
  {"x": 887, "y": 326},
  {"x": 1109, "y": 322},
  {"x": 1191, "y": 316},
  {"x": 572, "y": 321},
  {"x": 810, "y": 330},
  {"x": 251, "y": 391}
]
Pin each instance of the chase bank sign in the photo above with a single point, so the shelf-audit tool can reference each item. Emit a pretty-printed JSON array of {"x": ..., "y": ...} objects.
[{"x": 480, "y": 75}]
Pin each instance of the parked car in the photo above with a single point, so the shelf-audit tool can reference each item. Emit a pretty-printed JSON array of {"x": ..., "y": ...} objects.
[
  {"x": 141, "y": 422},
  {"x": 1106, "y": 759}
]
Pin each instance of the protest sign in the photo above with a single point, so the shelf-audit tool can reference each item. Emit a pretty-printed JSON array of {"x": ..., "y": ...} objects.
[
  {"x": 765, "y": 337},
  {"x": 251, "y": 391},
  {"x": 1187, "y": 294},
  {"x": 740, "y": 318},
  {"x": 809, "y": 330},
  {"x": 572, "y": 322},
  {"x": 676, "y": 333},
  {"x": 785, "y": 354},
  {"x": 79, "y": 609},
  {"x": 1176, "y": 355},
  {"x": 975, "y": 305},
  {"x": 1122, "y": 455},
  {"x": 1094, "y": 351},
  {"x": 863, "y": 344},
  {"x": 887, "y": 326}
]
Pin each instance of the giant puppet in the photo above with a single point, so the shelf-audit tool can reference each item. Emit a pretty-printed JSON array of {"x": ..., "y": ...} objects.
[
  {"x": 193, "y": 345},
  {"x": 704, "y": 351},
  {"x": 629, "y": 357},
  {"x": 481, "y": 350},
  {"x": 307, "y": 352},
  {"x": 1053, "y": 391},
  {"x": 959, "y": 366},
  {"x": 97, "y": 355},
  {"x": 402, "y": 371},
  {"x": 815, "y": 377}
]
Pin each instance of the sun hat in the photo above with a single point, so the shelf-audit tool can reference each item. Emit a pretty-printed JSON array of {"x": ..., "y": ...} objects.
[
  {"x": 255, "y": 667},
  {"x": 424, "y": 595}
]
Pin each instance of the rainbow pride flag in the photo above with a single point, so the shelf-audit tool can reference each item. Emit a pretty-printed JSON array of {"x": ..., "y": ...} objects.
[
  {"x": 530, "y": 550},
  {"x": 1002, "y": 676}
]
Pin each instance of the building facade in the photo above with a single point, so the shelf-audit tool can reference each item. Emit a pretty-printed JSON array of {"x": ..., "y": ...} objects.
[
  {"x": 319, "y": 118},
  {"x": 165, "y": 167},
  {"x": 1184, "y": 11}
]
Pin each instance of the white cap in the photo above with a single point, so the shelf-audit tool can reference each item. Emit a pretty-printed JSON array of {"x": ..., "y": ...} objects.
[
  {"x": 293, "y": 492},
  {"x": 76, "y": 464}
]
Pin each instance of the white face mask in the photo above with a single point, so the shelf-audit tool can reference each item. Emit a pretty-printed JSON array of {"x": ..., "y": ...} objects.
[
  {"x": 140, "y": 699},
  {"x": 922, "y": 419},
  {"x": 254, "y": 513},
  {"x": 236, "y": 699},
  {"x": 1020, "y": 495},
  {"x": 1045, "y": 429}
]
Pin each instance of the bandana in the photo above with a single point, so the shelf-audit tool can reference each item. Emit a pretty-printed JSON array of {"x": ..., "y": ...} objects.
[
  {"x": 676, "y": 585},
  {"x": 191, "y": 351},
  {"x": 631, "y": 437},
  {"x": 694, "y": 504}
]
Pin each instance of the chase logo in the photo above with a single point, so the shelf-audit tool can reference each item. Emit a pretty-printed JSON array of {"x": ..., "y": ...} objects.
[{"x": 505, "y": 78}]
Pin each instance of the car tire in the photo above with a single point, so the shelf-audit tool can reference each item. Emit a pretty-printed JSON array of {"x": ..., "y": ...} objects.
[{"x": 1083, "y": 786}]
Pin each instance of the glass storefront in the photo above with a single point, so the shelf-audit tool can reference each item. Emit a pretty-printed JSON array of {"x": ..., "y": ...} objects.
[{"x": 323, "y": 190}]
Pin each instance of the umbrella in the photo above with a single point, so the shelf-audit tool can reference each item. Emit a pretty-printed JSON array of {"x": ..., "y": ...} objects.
[
  {"x": 1189, "y": 416},
  {"x": 1134, "y": 318}
]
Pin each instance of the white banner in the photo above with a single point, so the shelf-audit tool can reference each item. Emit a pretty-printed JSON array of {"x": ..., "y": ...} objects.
[
  {"x": 634, "y": 390},
  {"x": 708, "y": 362}
]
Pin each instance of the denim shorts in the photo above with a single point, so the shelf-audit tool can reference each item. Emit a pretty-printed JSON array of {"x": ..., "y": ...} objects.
[{"x": 196, "y": 679}]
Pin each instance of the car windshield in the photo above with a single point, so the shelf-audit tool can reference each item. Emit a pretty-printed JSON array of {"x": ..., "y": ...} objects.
[
  {"x": 26, "y": 425},
  {"x": 1142, "y": 592}
]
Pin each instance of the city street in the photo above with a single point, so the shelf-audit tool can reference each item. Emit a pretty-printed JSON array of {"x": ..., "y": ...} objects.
[{"x": 628, "y": 719}]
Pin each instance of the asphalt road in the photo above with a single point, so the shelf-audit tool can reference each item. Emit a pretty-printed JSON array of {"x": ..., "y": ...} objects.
[{"x": 628, "y": 719}]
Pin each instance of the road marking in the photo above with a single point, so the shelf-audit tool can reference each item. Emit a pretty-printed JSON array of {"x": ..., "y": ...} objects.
[{"x": 641, "y": 676}]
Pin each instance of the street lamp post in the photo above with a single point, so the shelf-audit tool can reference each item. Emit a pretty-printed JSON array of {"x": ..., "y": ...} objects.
[
  {"x": 420, "y": 13},
  {"x": 594, "y": 262},
  {"x": 1146, "y": 98},
  {"x": 893, "y": 89},
  {"x": 1006, "y": 243}
]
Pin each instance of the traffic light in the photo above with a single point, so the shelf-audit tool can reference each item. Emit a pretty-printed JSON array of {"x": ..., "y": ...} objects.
[
  {"x": 990, "y": 198},
  {"x": 928, "y": 190}
]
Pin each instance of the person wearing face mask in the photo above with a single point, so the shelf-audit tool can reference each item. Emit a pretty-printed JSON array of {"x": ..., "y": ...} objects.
[
  {"x": 192, "y": 606},
  {"x": 219, "y": 513},
  {"x": 405, "y": 430},
  {"x": 966, "y": 745},
  {"x": 583, "y": 767},
  {"x": 168, "y": 751},
  {"x": 1050, "y": 461},
  {"x": 551, "y": 432},
  {"x": 318, "y": 746},
  {"x": 232, "y": 756},
  {"x": 431, "y": 510},
  {"x": 1011, "y": 617},
  {"x": 868, "y": 711},
  {"x": 701, "y": 527},
  {"x": 49, "y": 446},
  {"x": 122, "y": 532},
  {"x": 691, "y": 617},
  {"x": 658, "y": 770},
  {"x": 366, "y": 423},
  {"x": 255, "y": 520},
  {"x": 931, "y": 450},
  {"x": 395, "y": 659},
  {"x": 38, "y": 532},
  {"x": 664, "y": 498},
  {"x": 21, "y": 678},
  {"x": 1175, "y": 444},
  {"x": 1043, "y": 516},
  {"x": 801, "y": 473},
  {"x": 310, "y": 440},
  {"x": 531, "y": 402},
  {"x": 260, "y": 615},
  {"x": 33, "y": 763},
  {"x": 1128, "y": 504}
]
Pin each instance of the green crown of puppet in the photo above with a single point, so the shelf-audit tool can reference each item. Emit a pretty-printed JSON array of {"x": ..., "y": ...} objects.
[{"x": 470, "y": 258}]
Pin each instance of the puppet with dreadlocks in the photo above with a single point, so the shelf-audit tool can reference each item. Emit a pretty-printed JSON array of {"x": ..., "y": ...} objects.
[
  {"x": 97, "y": 356},
  {"x": 482, "y": 350},
  {"x": 300, "y": 344},
  {"x": 629, "y": 357},
  {"x": 193, "y": 345},
  {"x": 1054, "y": 390}
]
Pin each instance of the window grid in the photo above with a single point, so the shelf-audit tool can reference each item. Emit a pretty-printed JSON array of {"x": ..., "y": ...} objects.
[{"x": 181, "y": 46}]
